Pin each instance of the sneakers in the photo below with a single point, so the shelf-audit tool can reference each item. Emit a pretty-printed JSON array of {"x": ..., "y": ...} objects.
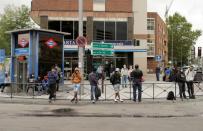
[
  {"x": 121, "y": 100},
  {"x": 93, "y": 101},
  {"x": 115, "y": 100}
]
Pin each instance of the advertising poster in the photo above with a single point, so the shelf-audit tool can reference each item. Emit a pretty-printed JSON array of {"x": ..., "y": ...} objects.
[{"x": 2, "y": 69}]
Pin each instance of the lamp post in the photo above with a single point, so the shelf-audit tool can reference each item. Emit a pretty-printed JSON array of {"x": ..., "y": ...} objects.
[{"x": 81, "y": 49}]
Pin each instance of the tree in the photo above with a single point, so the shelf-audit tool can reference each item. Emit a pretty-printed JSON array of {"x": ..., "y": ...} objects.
[
  {"x": 13, "y": 18},
  {"x": 183, "y": 37}
]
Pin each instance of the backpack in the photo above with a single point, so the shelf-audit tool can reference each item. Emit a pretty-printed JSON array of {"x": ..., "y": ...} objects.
[{"x": 171, "y": 96}]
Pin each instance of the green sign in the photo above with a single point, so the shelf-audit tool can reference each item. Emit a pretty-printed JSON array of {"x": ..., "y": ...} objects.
[
  {"x": 102, "y": 45},
  {"x": 102, "y": 52}
]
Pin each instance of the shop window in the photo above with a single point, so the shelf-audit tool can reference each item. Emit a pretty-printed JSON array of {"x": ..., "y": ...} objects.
[{"x": 67, "y": 26}]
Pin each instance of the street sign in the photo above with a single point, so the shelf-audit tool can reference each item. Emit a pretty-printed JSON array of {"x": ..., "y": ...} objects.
[
  {"x": 103, "y": 49},
  {"x": 158, "y": 58},
  {"x": 102, "y": 52},
  {"x": 102, "y": 45},
  {"x": 81, "y": 41}
]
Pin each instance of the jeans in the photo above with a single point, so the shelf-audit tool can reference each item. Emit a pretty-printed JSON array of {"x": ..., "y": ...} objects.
[
  {"x": 190, "y": 89},
  {"x": 157, "y": 76},
  {"x": 93, "y": 92},
  {"x": 182, "y": 89},
  {"x": 52, "y": 93},
  {"x": 124, "y": 80},
  {"x": 137, "y": 86}
]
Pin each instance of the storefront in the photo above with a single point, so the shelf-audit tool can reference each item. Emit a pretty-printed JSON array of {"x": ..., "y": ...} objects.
[{"x": 35, "y": 52}]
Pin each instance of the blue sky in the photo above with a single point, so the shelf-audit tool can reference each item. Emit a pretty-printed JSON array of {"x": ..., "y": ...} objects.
[{"x": 191, "y": 9}]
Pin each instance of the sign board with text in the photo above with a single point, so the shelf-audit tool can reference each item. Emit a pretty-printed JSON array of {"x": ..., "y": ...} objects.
[{"x": 102, "y": 49}]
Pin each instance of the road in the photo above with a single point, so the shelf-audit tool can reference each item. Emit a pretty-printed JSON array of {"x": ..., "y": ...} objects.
[{"x": 107, "y": 116}]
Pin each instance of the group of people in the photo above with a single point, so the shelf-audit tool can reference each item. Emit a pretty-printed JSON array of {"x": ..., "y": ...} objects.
[
  {"x": 182, "y": 77},
  {"x": 118, "y": 78},
  {"x": 186, "y": 78}
]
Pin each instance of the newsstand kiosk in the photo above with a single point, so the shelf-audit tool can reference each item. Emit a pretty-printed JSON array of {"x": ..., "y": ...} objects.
[{"x": 35, "y": 52}]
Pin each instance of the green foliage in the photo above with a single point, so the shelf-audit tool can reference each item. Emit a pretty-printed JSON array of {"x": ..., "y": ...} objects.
[
  {"x": 180, "y": 31},
  {"x": 13, "y": 18}
]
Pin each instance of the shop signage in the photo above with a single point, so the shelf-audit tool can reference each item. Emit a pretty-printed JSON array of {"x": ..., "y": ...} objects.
[
  {"x": 21, "y": 51},
  {"x": 113, "y": 42},
  {"x": 51, "y": 43},
  {"x": 23, "y": 40}
]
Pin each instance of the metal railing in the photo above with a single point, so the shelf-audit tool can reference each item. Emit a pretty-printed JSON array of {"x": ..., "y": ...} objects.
[{"x": 149, "y": 91}]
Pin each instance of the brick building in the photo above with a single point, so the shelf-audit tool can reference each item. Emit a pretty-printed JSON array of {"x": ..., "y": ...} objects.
[
  {"x": 121, "y": 22},
  {"x": 157, "y": 42}
]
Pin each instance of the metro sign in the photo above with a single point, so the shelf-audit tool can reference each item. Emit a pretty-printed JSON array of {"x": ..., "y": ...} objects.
[
  {"x": 51, "y": 43},
  {"x": 23, "y": 42}
]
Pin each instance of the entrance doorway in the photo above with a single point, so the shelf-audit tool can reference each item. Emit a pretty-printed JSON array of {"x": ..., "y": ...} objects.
[{"x": 21, "y": 77}]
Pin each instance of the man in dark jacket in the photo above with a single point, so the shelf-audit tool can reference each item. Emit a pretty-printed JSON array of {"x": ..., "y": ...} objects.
[
  {"x": 181, "y": 79},
  {"x": 94, "y": 84},
  {"x": 52, "y": 77},
  {"x": 115, "y": 79},
  {"x": 136, "y": 76}
]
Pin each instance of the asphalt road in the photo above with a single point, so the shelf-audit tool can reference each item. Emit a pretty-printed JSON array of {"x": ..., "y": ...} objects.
[{"x": 158, "y": 116}]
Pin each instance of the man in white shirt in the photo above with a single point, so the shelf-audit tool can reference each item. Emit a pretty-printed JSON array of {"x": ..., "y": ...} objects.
[{"x": 190, "y": 73}]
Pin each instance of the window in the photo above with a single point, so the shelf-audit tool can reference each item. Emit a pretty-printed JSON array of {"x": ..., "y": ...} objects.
[
  {"x": 151, "y": 50},
  {"x": 54, "y": 25},
  {"x": 98, "y": 33},
  {"x": 136, "y": 42},
  {"x": 121, "y": 31},
  {"x": 110, "y": 31},
  {"x": 72, "y": 27},
  {"x": 99, "y": 5},
  {"x": 150, "y": 24},
  {"x": 67, "y": 26}
]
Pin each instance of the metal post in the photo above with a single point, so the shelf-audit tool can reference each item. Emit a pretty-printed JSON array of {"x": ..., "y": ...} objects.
[
  {"x": 153, "y": 91},
  {"x": 130, "y": 89},
  {"x": 172, "y": 48},
  {"x": 105, "y": 92},
  {"x": 81, "y": 49}
]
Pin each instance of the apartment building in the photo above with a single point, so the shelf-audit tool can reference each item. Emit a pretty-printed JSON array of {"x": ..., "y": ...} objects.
[{"x": 157, "y": 42}]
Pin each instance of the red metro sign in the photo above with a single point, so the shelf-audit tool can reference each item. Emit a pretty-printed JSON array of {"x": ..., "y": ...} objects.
[{"x": 51, "y": 43}]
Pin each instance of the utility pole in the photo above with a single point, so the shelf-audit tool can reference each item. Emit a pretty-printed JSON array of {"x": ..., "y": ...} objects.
[{"x": 81, "y": 49}]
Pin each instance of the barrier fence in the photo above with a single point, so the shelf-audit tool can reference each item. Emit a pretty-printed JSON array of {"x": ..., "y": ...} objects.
[{"x": 149, "y": 91}]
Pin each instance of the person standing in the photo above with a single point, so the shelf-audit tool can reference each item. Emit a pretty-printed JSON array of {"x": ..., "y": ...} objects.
[
  {"x": 58, "y": 72},
  {"x": 189, "y": 80},
  {"x": 94, "y": 84},
  {"x": 181, "y": 79},
  {"x": 115, "y": 79},
  {"x": 6, "y": 82},
  {"x": 124, "y": 76},
  {"x": 136, "y": 76},
  {"x": 76, "y": 79},
  {"x": 158, "y": 70},
  {"x": 52, "y": 76}
]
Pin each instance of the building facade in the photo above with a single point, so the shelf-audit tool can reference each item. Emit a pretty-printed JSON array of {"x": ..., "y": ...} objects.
[
  {"x": 157, "y": 42},
  {"x": 120, "y": 22}
]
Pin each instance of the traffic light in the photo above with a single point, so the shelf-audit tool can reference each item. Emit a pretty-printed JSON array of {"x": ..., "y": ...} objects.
[{"x": 199, "y": 52}]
